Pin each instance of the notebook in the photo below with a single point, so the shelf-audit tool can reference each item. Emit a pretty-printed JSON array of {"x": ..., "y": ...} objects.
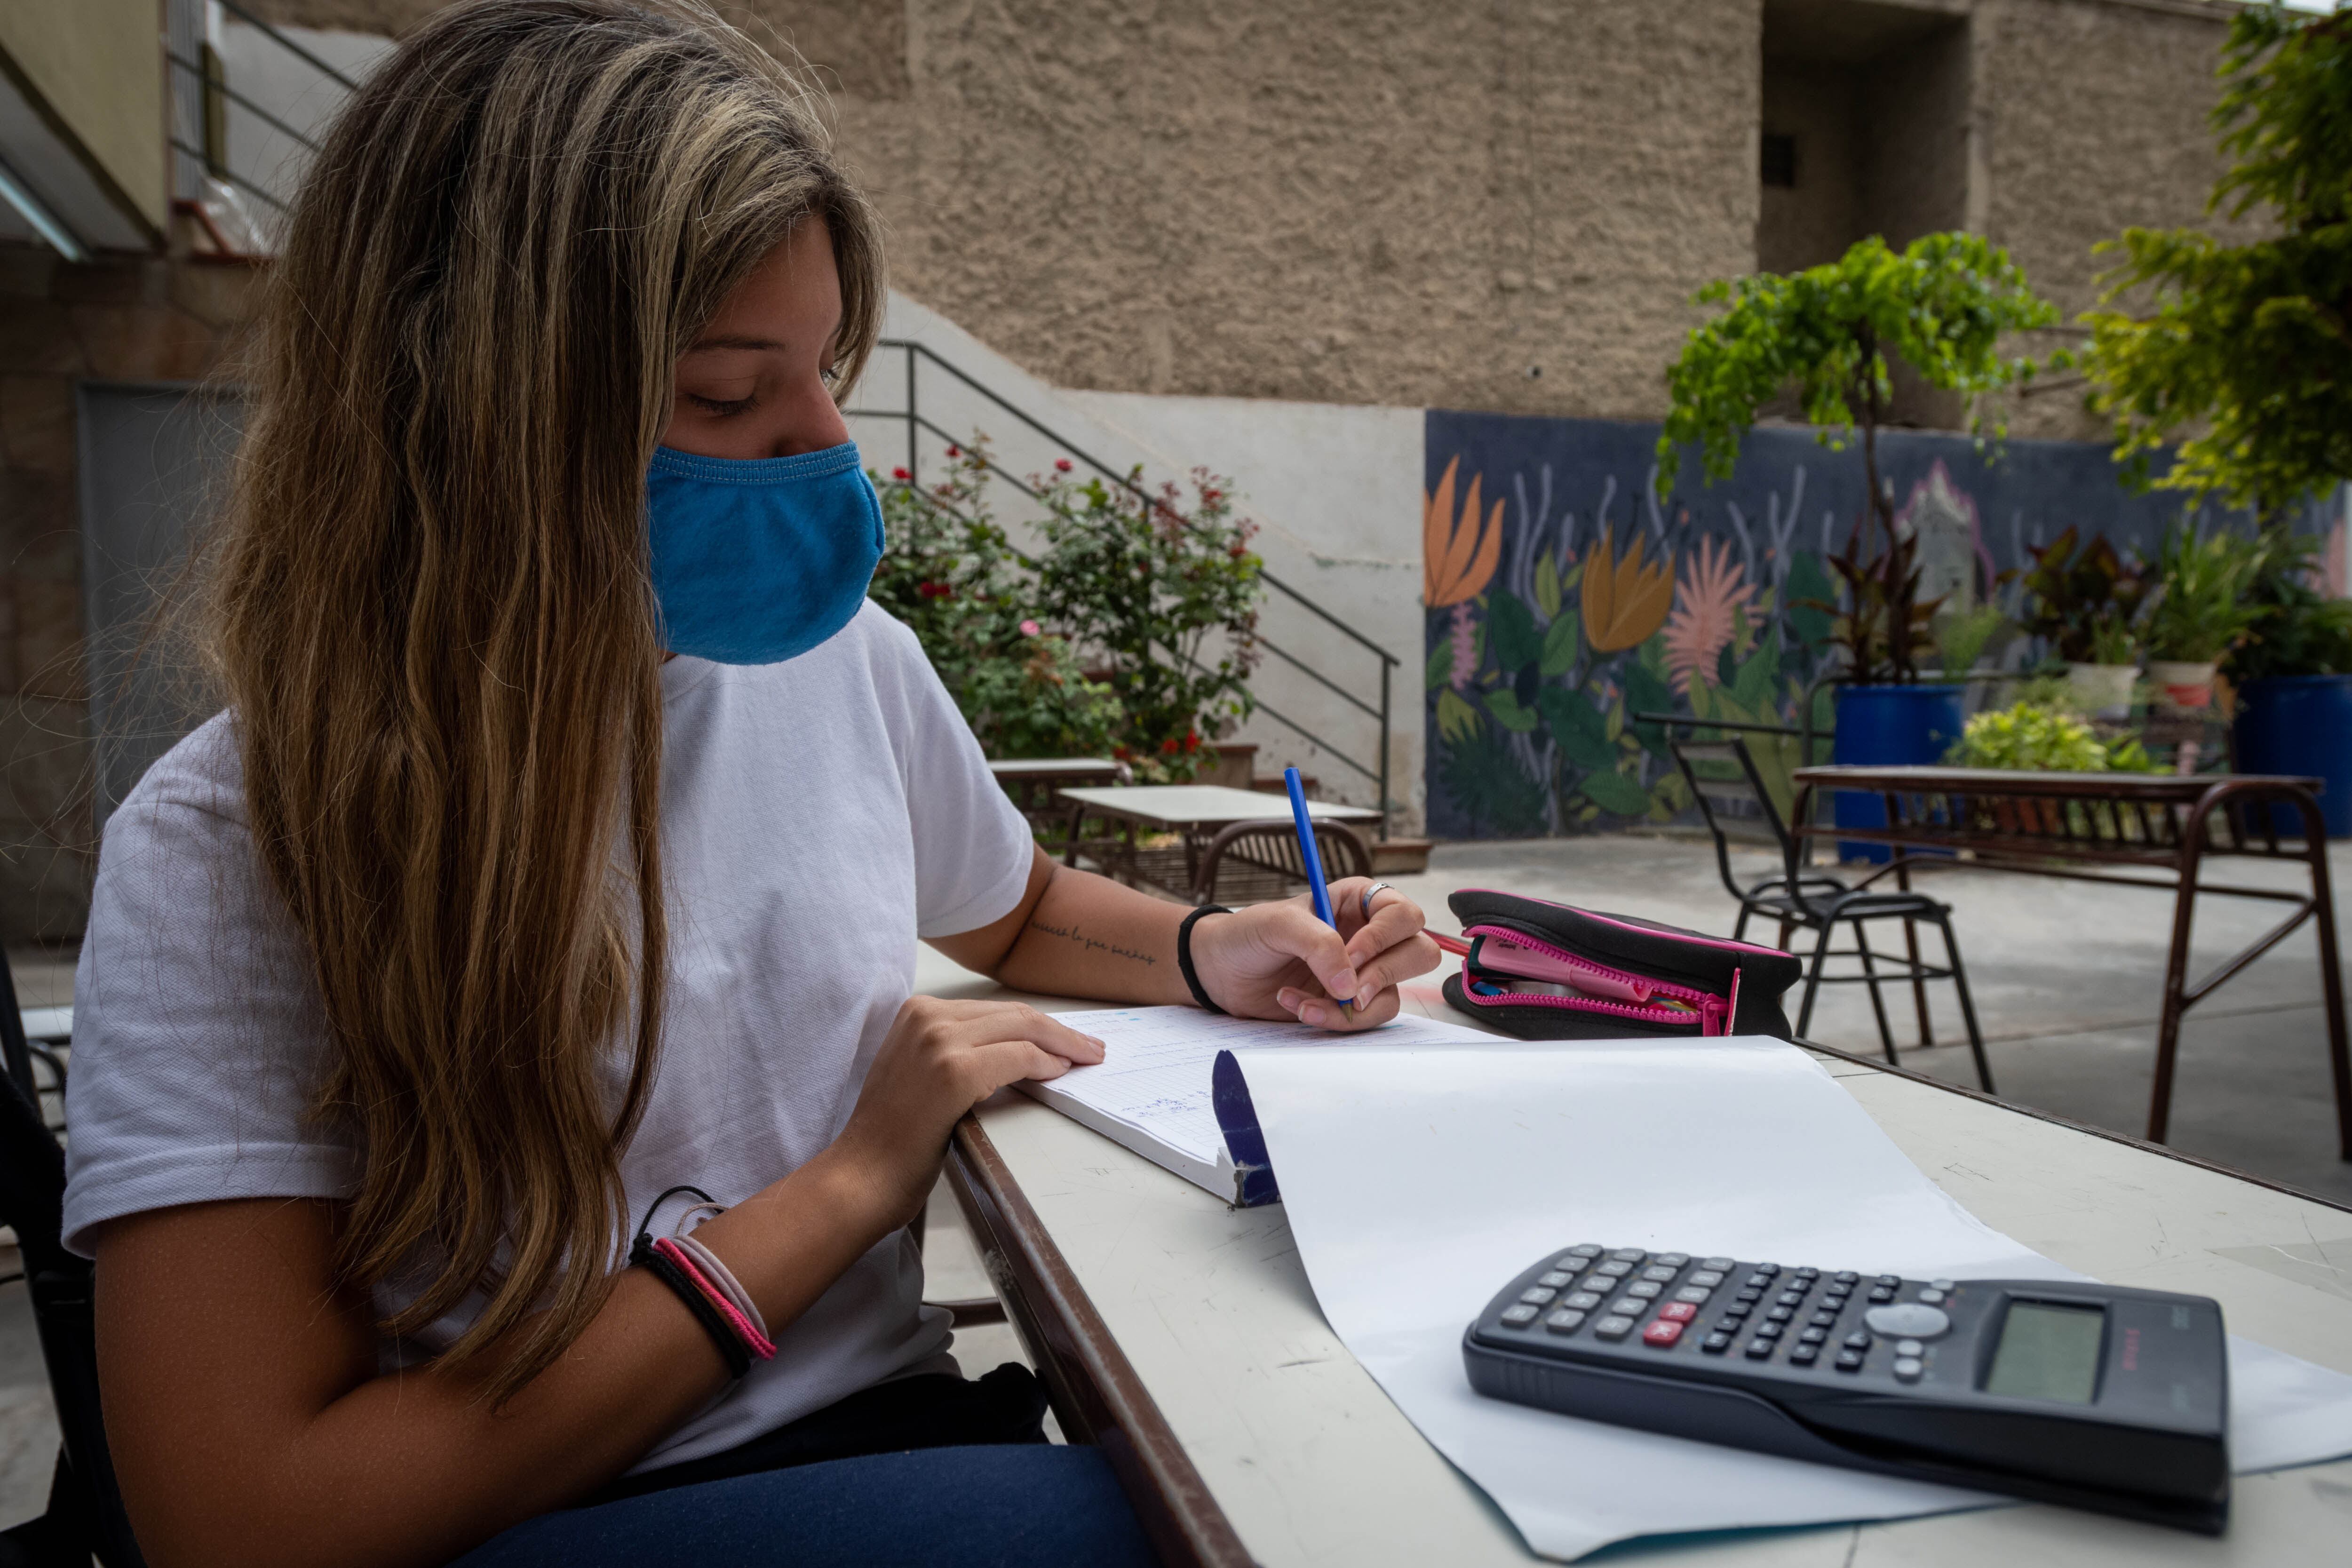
[{"x": 1152, "y": 1091}]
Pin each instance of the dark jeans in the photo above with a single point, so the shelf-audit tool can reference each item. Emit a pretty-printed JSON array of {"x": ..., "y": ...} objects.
[{"x": 927, "y": 1470}]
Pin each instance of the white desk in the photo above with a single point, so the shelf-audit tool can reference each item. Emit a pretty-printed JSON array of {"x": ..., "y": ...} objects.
[{"x": 1311, "y": 1463}]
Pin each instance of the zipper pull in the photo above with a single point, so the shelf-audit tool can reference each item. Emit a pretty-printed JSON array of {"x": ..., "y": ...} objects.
[{"x": 1715, "y": 1014}]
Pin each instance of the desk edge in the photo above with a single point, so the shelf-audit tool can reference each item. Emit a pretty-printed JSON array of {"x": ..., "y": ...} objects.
[{"x": 1095, "y": 1392}]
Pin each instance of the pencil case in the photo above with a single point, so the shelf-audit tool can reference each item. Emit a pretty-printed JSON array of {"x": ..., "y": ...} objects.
[{"x": 1542, "y": 971}]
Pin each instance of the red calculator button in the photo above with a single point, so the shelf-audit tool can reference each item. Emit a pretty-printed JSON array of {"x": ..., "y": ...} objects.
[
  {"x": 1662, "y": 1333},
  {"x": 1677, "y": 1312}
]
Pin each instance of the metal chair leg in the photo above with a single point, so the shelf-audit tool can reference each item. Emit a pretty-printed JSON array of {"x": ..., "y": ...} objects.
[
  {"x": 1877, "y": 1003},
  {"x": 1918, "y": 984},
  {"x": 1812, "y": 976},
  {"x": 1968, "y": 1006},
  {"x": 1739, "y": 926}
]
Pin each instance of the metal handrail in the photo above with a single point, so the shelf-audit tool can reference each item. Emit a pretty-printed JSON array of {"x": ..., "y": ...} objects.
[
  {"x": 231, "y": 176},
  {"x": 913, "y": 349},
  {"x": 215, "y": 84},
  {"x": 918, "y": 424},
  {"x": 289, "y": 45}
]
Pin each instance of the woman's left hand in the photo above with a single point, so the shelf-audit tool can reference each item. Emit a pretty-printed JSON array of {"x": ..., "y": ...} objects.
[{"x": 1277, "y": 960}]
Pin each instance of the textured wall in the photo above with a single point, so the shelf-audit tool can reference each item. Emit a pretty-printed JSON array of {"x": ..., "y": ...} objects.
[
  {"x": 2091, "y": 116},
  {"x": 1392, "y": 202}
]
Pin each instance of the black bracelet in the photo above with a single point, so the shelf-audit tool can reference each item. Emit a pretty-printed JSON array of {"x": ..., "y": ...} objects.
[
  {"x": 723, "y": 1335},
  {"x": 1184, "y": 956}
]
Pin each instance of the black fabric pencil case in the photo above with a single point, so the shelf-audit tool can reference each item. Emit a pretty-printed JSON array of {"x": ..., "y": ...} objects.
[{"x": 1542, "y": 971}]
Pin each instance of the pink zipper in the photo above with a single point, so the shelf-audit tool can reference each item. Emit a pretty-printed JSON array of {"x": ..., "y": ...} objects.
[{"x": 1713, "y": 1012}]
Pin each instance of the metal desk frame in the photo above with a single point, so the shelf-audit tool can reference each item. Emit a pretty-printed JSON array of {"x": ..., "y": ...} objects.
[{"x": 2052, "y": 824}]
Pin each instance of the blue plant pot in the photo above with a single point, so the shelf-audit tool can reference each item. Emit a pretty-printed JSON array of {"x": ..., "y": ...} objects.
[
  {"x": 2301, "y": 724},
  {"x": 1888, "y": 726}
]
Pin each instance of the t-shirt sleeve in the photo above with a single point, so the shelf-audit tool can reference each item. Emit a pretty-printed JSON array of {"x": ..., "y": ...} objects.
[
  {"x": 199, "y": 1031},
  {"x": 972, "y": 846}
]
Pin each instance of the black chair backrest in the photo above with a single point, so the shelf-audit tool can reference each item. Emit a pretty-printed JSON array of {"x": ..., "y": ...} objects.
[
  {"x": 1270, "y": 849},
  {"x": 1734, "y": 801},
  {"x": 85, "y": 1505}
]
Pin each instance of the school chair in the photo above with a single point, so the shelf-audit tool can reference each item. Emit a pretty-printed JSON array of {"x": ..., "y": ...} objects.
[
  {"x": 1733, "y": 801},
  {"x": 85, "y": 1513}
]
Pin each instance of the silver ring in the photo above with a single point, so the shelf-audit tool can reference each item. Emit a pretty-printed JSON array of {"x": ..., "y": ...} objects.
[{"x": 1364, "y": 904}]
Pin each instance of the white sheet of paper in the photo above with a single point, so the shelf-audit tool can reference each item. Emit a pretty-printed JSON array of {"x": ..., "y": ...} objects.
[
  {"x": 1417, "y": 1181},
  {"x": 1152, "y": 1090}
]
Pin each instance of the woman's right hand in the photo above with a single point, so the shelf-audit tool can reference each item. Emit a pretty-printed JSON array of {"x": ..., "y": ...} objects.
[{"x": 939, "y": 1060}]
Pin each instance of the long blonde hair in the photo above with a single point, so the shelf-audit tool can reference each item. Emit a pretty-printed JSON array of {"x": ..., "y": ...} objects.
[{"x": 432, "y": 616}]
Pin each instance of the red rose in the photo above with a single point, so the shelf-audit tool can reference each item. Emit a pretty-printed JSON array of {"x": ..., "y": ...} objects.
[
  {"x": 953, "y": 453},
  {"x": 1169, "y": 745},
  {"x": 900, "y": 474},
  {"x": 1061, "y": 464}
]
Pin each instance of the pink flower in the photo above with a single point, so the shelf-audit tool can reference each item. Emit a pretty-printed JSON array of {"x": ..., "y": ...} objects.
[
  {"x": 1704, "y": 604},
  {"x": 1465, "y": 632},
  {"x": 1061, "y": 464},
  {"x": 1030, "y": 629}
]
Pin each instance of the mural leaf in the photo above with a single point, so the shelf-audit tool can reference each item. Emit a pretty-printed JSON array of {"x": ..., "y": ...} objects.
[
  {"x": 1508, "y": 713},
  {"x": 1559, "y": 644},
  {"x": 1615, "y": 792},
  {"x": 1583, "y": 734},
  {"x": 1485, "y": 783},
  {"x": 1758, "y": 674},
  {"x": 1646, "y": 691},
  {"x": 1440, "y": 669},
  {"x": 1547, "y": 587},
  {"x": 1516, "y": 642},
  {"x": 1807, "y": 588},
  {"x": 1456, "y": 719}
]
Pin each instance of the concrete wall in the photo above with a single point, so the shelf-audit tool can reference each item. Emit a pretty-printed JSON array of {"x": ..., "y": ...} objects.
[
  {"x": 95, "y": 65},
  {"x": 157, "y": 319}
]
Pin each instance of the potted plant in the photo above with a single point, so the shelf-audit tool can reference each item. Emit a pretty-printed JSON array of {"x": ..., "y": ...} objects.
[
  {"x": 2199, "y": 610},
  {"x": 1942, "y": 305},
  {"x": 2082, "y": 601},
  {"x": 2293, "y": 674}
]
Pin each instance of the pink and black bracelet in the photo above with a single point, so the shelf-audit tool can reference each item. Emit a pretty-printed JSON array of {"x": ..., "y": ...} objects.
[{"x": 710, "y": 1292}]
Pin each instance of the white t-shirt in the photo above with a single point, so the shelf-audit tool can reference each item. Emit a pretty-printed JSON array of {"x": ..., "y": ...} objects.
[{"x": 818, "y": 817}]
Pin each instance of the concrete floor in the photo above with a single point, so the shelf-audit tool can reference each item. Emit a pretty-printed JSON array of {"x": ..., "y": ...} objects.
[{"x": 2067, "y": 977}]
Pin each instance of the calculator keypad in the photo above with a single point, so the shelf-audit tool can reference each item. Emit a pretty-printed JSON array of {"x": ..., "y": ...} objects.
[{"x": 1718, "y": 1307}]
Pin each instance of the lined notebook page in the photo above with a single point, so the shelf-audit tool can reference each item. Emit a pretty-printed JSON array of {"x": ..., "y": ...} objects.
[{"x": 1154, "y": 1077}]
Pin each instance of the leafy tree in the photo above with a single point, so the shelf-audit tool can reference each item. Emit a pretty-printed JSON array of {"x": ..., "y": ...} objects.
[
  {"x": 1942, "y": 305},
  {"x": 2247, "y": 347}
]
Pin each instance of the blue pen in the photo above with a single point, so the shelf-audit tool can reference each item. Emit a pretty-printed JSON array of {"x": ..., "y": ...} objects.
[{"x": 1309, "y": 853}]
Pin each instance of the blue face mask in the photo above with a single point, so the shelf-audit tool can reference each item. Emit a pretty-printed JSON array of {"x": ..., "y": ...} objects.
[{"x": 756, "y": 562}]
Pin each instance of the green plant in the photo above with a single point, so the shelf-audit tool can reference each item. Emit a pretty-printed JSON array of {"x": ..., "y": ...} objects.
[
  {"x": 1941, "y": 305},
  {"x": 2201, "y": 607},
  {"x": 1159, "y": 593},
  {"x": 1962, "y": 636},
  {"x": 2113, "y": 641},
  {"x": 2296, "y": 630},
  {"x": 2248, "y": 348},
  {"x": 1041, "y": 706},
  {"x": 2044, "y": 739},
  {"x": 2074, "y": 597}
]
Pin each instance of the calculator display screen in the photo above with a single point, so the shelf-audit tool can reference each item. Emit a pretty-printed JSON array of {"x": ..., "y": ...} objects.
[{"x": 2048, "y": 1351}]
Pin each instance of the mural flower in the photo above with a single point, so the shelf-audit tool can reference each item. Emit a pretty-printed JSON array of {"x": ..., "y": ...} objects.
[
  {"x": 1458, "y": 555},
  {"x": 1705, "y": 613},
  {"x": 1465, "y": 647},
  {"x": 1624, "y": 601}
]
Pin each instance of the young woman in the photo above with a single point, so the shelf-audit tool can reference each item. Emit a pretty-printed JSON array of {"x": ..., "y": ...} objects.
[{"x": 566, "y": 839}]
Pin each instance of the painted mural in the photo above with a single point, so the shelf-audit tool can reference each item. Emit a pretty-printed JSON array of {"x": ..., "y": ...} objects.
[{"x": 1564, "y": 600}]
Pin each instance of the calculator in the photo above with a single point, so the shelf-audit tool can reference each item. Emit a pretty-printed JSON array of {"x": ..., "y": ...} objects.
[{"x": 2087, "y": 1394}]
